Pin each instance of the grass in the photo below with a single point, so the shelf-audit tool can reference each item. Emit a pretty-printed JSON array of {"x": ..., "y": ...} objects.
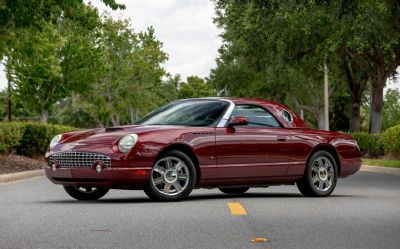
[{"x": 382, "y": 162}]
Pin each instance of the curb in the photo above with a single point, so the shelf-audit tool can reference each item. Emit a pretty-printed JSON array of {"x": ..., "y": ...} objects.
[
  {"x": 380, "y": 169},
  {"x": 20, "y": 175}
]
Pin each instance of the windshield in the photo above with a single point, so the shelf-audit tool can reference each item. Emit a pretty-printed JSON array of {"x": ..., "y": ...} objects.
[{"x": 186, "y": 113}]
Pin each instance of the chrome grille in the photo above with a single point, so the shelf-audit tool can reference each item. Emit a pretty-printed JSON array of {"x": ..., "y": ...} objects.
[{"x": 78, "y": 159}]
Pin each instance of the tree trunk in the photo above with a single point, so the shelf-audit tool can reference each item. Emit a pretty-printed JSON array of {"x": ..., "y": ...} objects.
[
  {"x": 375, "y": 123},
  {"x": 44, "y": 117},
  {"x": 321, "y": 119},
  {"x": 9, "y": 102},
  {"x": 326, "y": 96},
  {"x": 355, "y": 119}
]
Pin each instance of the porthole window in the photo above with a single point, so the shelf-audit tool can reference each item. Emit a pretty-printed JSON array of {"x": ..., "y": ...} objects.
[{"x": 287, "y": 116}]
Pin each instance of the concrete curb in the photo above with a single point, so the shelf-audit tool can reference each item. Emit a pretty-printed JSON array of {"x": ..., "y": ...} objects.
[
  {"x": 380, "y": 169},
  {"x": 20, "y": 175}
]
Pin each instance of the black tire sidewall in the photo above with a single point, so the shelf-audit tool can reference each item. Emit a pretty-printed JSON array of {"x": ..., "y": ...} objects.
[
  {"x": 154, "y": 194},
  {"x": 234, "y": 190},
  {"x": 76, "y": 194}
]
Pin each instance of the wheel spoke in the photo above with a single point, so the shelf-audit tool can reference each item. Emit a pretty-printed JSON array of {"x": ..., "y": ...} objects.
[
  {"x": 167, "y": 187},
  {"x": 183, "y": 177},
  {"x": 177, "y": 186},
  {"x": 158, "y": 180},
  {"x": 315, "y": 179},
  {"x": 314, "y": 169},
  {"x": 168, "y": 162},
  {"x": 178, "y": 166},
  {"x": 159, "y": 170}
]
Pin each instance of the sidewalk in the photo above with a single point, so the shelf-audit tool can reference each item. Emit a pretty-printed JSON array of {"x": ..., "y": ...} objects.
[{"x": 20, "y": 175}]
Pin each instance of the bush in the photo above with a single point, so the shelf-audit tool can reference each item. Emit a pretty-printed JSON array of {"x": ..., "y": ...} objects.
[
  {"x": 28, "y": 139},
  {"x": 10, "y": 135},
  {"x": 391, "y": 140},
  {"x": 370, "y": 144}
]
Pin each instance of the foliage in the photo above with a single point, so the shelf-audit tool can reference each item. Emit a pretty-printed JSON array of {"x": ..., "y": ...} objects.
[
  {"x": 381, "y": 162},
  {"x": 50, "y": 62},
  {"x": 391, "y": 111},
  {"x": 391, "y": 139},
  {"x": 371, "y": 145},
  {"x": 277, "y": 49},
  {"x": 10, "y": 135},
  {"x": 28, "y": 139},
  {"x": 194, "y": 87}
]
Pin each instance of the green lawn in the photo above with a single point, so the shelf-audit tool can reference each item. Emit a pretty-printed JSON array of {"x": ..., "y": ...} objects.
[{"x": 381, "y": 162}]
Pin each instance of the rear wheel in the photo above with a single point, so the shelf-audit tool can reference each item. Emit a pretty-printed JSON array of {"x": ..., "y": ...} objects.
[
  {"x": 86, "y": 193},
  {"x": 172, "y": 178},
  {"x": 239, "y": 190},
  {"x": 320, "y": 176}
]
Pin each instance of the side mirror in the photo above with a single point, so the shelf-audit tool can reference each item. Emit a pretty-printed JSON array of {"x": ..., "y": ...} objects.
[{"x": 238, "y": 121}]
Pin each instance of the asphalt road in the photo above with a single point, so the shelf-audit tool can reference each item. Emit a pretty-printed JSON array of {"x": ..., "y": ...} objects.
[{"x": 363, "y": 212}]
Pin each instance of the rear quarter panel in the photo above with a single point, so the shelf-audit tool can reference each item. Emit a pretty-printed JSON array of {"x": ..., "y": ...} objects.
[{"x": 307, "y": 141}]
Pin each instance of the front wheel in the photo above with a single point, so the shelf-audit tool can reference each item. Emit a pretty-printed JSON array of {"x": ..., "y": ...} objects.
[
  {"x": 172, "y": 178},
  {"x": 238, "y": 190},
  {"x": 86, "y": 193},
  {"x": 320, "y": 177}
]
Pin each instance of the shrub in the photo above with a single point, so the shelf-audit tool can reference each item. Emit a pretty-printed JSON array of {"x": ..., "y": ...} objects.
[
  {"x": 10, "y": 135},
  {"x": 28, "y": 139},
  {"x": 391, "y": 140},
  {"x": 370, "y": 144}
]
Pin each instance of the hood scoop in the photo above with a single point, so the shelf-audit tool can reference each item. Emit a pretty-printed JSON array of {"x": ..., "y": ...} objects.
[{"x": 114, "y": 129}]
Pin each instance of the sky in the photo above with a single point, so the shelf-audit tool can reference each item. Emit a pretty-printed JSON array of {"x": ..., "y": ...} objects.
[{"x": 185, "y": 27}]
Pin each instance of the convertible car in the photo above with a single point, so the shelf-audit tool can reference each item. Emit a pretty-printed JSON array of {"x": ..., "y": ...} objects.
[{"x": 228, "y": 143}]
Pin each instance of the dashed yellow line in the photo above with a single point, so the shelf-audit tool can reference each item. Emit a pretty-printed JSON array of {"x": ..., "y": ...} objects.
[
  {"x": 237, "y": 209},
  {"x": 259, "y": 240}
]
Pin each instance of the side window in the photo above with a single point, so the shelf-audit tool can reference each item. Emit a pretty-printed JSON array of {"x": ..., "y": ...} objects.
[{"x": 258, "y": 117}]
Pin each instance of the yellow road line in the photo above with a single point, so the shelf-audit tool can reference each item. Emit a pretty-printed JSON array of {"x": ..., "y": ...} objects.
[
  {"x": 259, "y": 240},
  {"x": 237, "y": 209}
]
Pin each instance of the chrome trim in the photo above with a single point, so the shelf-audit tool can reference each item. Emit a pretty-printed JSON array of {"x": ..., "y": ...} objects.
[
  {"x": 72, "y": 159},
  {"x": 227, "y": 115}
]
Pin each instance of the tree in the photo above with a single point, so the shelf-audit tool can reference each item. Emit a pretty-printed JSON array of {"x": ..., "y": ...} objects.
[
  {"x": 132, "y": 73},
  {"x": 50, "y": 62},
  {"x": 194, "y": 87},
  {"x": 391, "y": 112},
  {"x": 263, "y": 39},
  {"x": 274, "y": 50}
]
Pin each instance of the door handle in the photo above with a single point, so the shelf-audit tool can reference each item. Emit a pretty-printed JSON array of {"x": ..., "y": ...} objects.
[{"x": 281, "y": 139}]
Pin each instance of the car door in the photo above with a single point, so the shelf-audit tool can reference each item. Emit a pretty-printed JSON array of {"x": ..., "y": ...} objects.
[{"x": 259, "y": 149}]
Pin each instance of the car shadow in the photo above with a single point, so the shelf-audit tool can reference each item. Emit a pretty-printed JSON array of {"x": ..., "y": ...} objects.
[{"x": 195, "y": 197}]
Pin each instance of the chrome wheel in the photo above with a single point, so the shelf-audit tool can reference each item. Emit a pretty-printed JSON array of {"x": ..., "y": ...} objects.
[
  {"x": 170, "y": 176},
  {"x": 322, "y": 174}
]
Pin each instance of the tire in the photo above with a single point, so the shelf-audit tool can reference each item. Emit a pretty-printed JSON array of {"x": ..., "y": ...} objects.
[
  {"x": 87, "y": 194},
  {"x": 172, "y": 178},
  {"x": 320, "y": 176},
  {"x": 238, "y": 190}
]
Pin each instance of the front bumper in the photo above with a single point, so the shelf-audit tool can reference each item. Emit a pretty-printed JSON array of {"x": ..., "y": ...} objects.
[{"x": 109, "y": 177}]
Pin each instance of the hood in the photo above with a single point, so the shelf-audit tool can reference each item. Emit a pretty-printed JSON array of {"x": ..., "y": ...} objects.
[{"x": 92, "y": 140}]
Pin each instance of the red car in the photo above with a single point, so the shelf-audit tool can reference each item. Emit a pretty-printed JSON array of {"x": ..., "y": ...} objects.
[{"x": 227, "y": 143}]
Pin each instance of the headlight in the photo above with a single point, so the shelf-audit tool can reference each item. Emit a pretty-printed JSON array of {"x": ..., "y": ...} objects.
[
  {"x": 55, "y": 141},
  {"x": 127, "y": 142}
]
